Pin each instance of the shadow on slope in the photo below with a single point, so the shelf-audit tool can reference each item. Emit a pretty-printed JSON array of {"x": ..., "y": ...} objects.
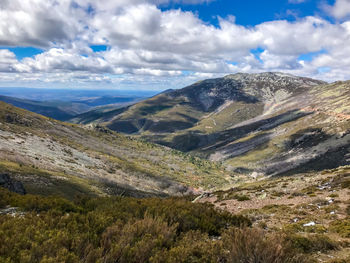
[{"x": 220, "y": 140}]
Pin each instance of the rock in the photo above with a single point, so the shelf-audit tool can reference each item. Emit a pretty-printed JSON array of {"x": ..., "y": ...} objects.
[
  {"x": 310, "y": 224},
  {"x": 255, "y": 175},
  {"x": 12, "y": 185},
  {"x": 263, "y": 196},
  {"x": 11, "y": 211},
  {"x": 330, "y": 200},
  {"x": 203, "y": 195}
]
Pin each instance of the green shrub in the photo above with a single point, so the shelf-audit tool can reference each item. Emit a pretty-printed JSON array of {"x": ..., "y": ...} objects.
[
  {"x": 241, "y": 198},
  {"x": 192, "y": 246},
  {"x": 53, "y": 229},
  {"x": 253, "y": 245},
  {"x": 120, "y": 229},
  {"x": 136, "y": 242},
  {"x": 312, "y": 243}
]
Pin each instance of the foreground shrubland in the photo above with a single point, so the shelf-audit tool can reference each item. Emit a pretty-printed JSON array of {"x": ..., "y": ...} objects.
[{"x": 119, "y": 229}]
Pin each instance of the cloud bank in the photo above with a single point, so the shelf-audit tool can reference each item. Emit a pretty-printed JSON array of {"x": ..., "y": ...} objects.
[{"x": 148, "y": 46}]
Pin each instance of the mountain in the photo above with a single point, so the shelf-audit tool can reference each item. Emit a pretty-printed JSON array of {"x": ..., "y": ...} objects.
[
  {"x": 65, "y": 110},
  {"x": 206, "y": 106},
  {"x": 267, "y": 123},
  {"x": 49, "y": 156},
  {"x": 54, "y": 109}
]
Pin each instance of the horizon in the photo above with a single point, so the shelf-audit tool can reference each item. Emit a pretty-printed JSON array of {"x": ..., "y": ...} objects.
[
  {"x": 168, "y": 44},
  {"x": 132, "y": 90}
]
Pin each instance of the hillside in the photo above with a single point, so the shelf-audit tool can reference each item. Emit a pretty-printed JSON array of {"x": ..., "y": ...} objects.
[
  {"x": 51, "y": 157},
  {"x": 260, "y": 124}
]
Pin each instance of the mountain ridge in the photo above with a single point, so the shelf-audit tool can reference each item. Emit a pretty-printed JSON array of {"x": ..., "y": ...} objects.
[{"x": 248, "y": 121}]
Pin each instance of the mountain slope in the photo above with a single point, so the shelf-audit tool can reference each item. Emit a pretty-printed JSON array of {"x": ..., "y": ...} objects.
[
  {"x": 204, "y": 106},
  {"x": 308, "y": 132},
  {"x": 49, "y": 156},
  {"x": 260, "y": 124}
]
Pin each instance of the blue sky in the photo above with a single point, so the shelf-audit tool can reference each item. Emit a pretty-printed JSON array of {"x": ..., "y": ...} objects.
[
  {"x": 251, "y": 12},
  {"x": 160, "y": 44}
]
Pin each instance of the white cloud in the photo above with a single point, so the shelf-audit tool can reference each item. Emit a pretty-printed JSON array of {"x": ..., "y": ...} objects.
[
  {"x": 7, "y": 60},
  {"x": 340, "y": 9},
  {"x": 146, "y": 43},
  {"x": 60, "y": 60},
  {"x": 38, "y": 23}
]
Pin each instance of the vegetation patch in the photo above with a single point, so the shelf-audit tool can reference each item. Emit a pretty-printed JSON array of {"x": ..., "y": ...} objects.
[{"x": 117, "y": 229}]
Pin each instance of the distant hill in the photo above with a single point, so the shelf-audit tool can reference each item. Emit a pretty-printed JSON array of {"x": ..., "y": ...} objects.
[
  {"x": 54, "y": 109},
  {"x": 69, "y": 95},
  {"x": 268, "y": 123},
  {"x": 66, "y": 110}
]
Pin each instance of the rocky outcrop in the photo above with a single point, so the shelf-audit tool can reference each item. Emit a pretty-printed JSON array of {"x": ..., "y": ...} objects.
[{"x": 12, "y": 185}]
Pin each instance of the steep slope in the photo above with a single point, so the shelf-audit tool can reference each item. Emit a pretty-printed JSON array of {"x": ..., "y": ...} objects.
[
  {"x": 309, "y": 132},
  {"x": 49, "y": 156}
]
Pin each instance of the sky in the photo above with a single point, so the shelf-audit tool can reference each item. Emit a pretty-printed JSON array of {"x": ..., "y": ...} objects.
[{"x": 161, "y": 44}]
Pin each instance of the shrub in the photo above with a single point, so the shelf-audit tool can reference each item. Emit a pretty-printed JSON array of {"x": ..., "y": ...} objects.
[
  {"x": 118, "y": 229},
  {"x": 136, "y": 242},
  {"x": 347, "y": 210},
  {"x": 192, "y": 246},
  {"x": 241, "y": 198},
  {"x": 312, "y": 243},
  {"x": 252, "y": 245},
  {"x": 342, "y": 227}
]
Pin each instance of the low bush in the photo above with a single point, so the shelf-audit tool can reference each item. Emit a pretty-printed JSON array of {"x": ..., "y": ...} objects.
[
  {"x": 120, "y": 229},
  {"x": 241, "y": 198},
  {"x": 313, "y": 243},
  {"x": 247, "y": 245}
]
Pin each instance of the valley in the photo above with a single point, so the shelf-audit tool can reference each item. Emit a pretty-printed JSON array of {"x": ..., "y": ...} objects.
[{"x": 270, "y": 150}]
